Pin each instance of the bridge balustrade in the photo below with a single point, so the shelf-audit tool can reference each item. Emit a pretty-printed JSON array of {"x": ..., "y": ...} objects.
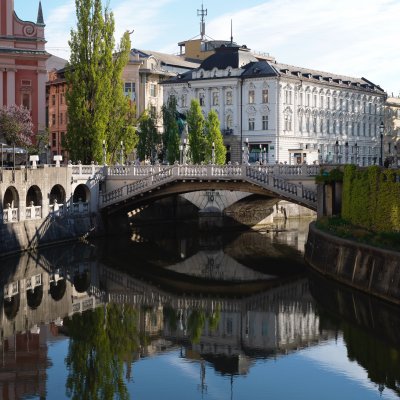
[
  {"x": 10, "y": 215},
  {"x": 33, "y": 212}
]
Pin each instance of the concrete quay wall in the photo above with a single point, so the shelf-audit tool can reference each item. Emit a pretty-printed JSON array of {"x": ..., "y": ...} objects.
[{"x": 369, "y": 269}]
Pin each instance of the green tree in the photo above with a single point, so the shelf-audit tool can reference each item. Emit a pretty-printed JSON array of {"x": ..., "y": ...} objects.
[
  {"x": 149, "y": 139},
  {"x": 214, "y": 135},
  {"x": 171, "y": 131},
  {"x": 197, "y": 139},
  {"x": 97, "y": 109}
]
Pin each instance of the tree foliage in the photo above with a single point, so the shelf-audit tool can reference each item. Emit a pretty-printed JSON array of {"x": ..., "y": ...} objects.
[
  {"x": 100, "y": 341},
  {"x": 171, "y": 131},
  {"x": 16, "y": 126},
  {"x": 149, "y": 139},
  {"x": 214, "y": 135},
  {"x": 97, "y": 108},
  {"x": 197, "y": 139}
]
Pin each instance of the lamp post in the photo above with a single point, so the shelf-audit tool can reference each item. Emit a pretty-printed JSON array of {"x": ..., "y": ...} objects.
[
  {"x": 247, "y": 150},
  {"x": 356, "y": 153},
  {"x": 260, "y": 155},
  {"x": 395, "y": 155},
  {"x": 346, "y": 153},
  {"x": 336, "y": 151},
  {"x": 121, "y": 156},
  {"x": 184, "y": 152},
  {"x": 213, "y": 153},
  {"x": 2, "y": 150},
  {"x": 381, "y": 130},
  {"x": 265, "y": 156},
  {"x": 180, "y": 153},
  {"x": 104, "y": 153}
]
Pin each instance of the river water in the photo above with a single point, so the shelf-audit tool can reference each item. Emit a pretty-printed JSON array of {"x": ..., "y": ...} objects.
[{"x": 171, "y": 312}]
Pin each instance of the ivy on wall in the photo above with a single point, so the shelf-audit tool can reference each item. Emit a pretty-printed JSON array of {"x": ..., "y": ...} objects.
[{"x": 371, "y": 198}]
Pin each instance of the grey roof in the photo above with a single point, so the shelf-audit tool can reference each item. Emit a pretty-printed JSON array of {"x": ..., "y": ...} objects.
[
  {"x": 315, "y": 75},
  {"x": 259, "y": 68},
  {"x": 167, "y": 59},
  {"x": 54, "y": 62},
  {"x": 228, "y": 56}
]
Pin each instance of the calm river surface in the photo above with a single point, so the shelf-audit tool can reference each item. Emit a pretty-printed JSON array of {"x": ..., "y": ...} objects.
[{"x": 173, "y": 313}]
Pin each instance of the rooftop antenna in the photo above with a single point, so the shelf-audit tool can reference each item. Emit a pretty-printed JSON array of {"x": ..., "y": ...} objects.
[
  {"x": 202, "y": 13},
  {"x": 231, "y": 34}
]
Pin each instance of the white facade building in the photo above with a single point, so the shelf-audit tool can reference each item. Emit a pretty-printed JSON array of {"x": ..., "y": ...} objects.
[{"x": 272, "y": 112}]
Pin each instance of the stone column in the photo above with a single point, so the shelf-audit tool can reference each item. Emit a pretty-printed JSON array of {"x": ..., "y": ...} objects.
[{"x": 11, "y": 87}]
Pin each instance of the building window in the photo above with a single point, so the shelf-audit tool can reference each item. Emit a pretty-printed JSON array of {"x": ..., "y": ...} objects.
[
  {"x": 301, "y": 123},
  {"x": 184, "y": 100},
  {"x": 328, "y": 126},
  {"x": 53, "y": 119},
  {"x": 265, "y": 96},
  {"x": 129, "y": 90},
  {"x": 153, "y": 90},
  {"x": 61, "y": 118},
  {"x": 308, "y": 99},
  {"x": 53, "y": 100},
  {"x": 63, "y": 139},
  {"x": 334, "y": 103},
  {"x": 288, "y": 96},
  {"x": 153, "y": 111},
  {"x": 26, "y": 100},
  {"x": 251, "y": 124},
  {"x": 54, "y": 139},
  {"x": 321, "y": 101},
  {"x": 314, "y": 100},
  {"x": 215, "y": 98},
  {"x": 229, "y": 98},
  {"x": 288, "y": 122},
  {"x": 202, "y": 99},
  {"x": 314, "y": 124},
  {"x": 229, "y": 121},
  {"x": 321, "y": 125},
  {"x": 265, "y": 122},
  {"x": 251, "y": 97}
]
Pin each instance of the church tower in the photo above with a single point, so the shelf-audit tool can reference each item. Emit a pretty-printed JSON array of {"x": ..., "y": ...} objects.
[{"x": 23, "y": 58}]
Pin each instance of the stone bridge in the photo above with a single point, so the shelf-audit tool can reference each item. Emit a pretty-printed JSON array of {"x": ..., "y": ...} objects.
[{"x": 126, "y": 187}]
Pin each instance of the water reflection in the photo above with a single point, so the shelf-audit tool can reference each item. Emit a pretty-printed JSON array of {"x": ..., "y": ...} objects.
[{"x": 119, "y": 303}]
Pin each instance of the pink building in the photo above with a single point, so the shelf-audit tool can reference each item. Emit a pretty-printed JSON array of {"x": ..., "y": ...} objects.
[{"x": 23, "y": 63}]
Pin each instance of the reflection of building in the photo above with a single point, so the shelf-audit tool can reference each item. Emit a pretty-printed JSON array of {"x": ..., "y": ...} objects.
[{"x": 23, "y": 63}]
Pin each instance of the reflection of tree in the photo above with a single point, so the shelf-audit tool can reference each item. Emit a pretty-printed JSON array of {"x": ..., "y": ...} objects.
[
  {"x": 100, "y": 341},
  {"x": 196, "y": 322}
]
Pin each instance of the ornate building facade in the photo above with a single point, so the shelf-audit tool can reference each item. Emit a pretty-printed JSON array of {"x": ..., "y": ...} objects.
[
  {"x": 273, "y": 112},
  {"x": 23, "y": 58}
]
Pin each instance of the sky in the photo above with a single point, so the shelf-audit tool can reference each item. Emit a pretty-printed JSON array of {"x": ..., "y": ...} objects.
[{"x": 356, "y": 38}]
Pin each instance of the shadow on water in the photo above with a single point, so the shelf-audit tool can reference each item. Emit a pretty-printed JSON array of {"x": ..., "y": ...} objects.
[{"x": 370, "y": 328}]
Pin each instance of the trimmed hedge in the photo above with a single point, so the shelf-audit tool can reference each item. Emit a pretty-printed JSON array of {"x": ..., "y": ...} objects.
[{"x": 371, "y": 198}]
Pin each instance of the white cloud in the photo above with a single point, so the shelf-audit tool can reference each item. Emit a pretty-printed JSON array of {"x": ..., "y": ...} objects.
[{"x": 356, "y": 38}]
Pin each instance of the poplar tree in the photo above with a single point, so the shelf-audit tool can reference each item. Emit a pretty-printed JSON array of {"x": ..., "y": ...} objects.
[
  {"x": 197, "y": 139},
  {"x": 214, "y": 135},
  {"x": 171, "y": 130},
  {"x": 149, "y": 139},
  {"x": 97, "y": 108}
]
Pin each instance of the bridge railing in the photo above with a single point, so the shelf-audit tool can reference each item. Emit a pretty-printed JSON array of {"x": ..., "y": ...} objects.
[
  {"x": 266, "y": 176},
  {"x": 33, "y": 212}
]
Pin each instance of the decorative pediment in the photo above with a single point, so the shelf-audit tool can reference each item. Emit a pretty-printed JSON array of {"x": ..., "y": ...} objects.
[{"x": 251, "y": 110}]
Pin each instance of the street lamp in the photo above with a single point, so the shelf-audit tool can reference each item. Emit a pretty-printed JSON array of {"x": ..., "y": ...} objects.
[
  {"x": 260, "y": 155},
  {"x": 184, "y": 152},
  {"x": 265, "y": 156},
  {"x": 247, "y": 150},
  {"x": 381, "y": 130},
  {"x": 180, "y": 153},
  {"x": 356, "y": 153},
  {"x": 346, "y": 152},
  {"x": 2, "y": 150},
  {"x": 213, "y": 153},
  {"x": 104, "y": 153},
  {"x": 336, "y": 151},
  {"x": 122, "y": 153}
]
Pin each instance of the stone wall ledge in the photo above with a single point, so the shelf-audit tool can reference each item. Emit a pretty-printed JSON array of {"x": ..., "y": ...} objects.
[{"x": 370, "y": 269}]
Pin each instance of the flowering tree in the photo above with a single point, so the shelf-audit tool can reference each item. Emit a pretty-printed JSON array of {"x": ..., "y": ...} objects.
[{"x": 16, "y": 126}]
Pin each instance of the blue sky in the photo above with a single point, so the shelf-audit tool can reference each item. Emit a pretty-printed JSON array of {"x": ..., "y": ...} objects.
[{"x": 350, "y": 37}]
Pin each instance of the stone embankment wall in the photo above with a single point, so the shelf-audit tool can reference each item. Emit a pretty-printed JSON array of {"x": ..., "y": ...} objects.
[
  {"x": 370, "y": 269},
  {"x": 24, "y": 235}
]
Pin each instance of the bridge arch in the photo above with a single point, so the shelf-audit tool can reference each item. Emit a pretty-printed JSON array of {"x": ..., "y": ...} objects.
[
  {"x": 34, "y": 297},
  {"x": 82, "y": 281},
  {"x": 57, "y": 289},
  {"x": 34, "y": 196},
  {"x": 81, "y": 194},
  {"x": 11, "y": 306},
  {"x": 11, "y": 198},
  {"x": 57, "y": 193}
]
